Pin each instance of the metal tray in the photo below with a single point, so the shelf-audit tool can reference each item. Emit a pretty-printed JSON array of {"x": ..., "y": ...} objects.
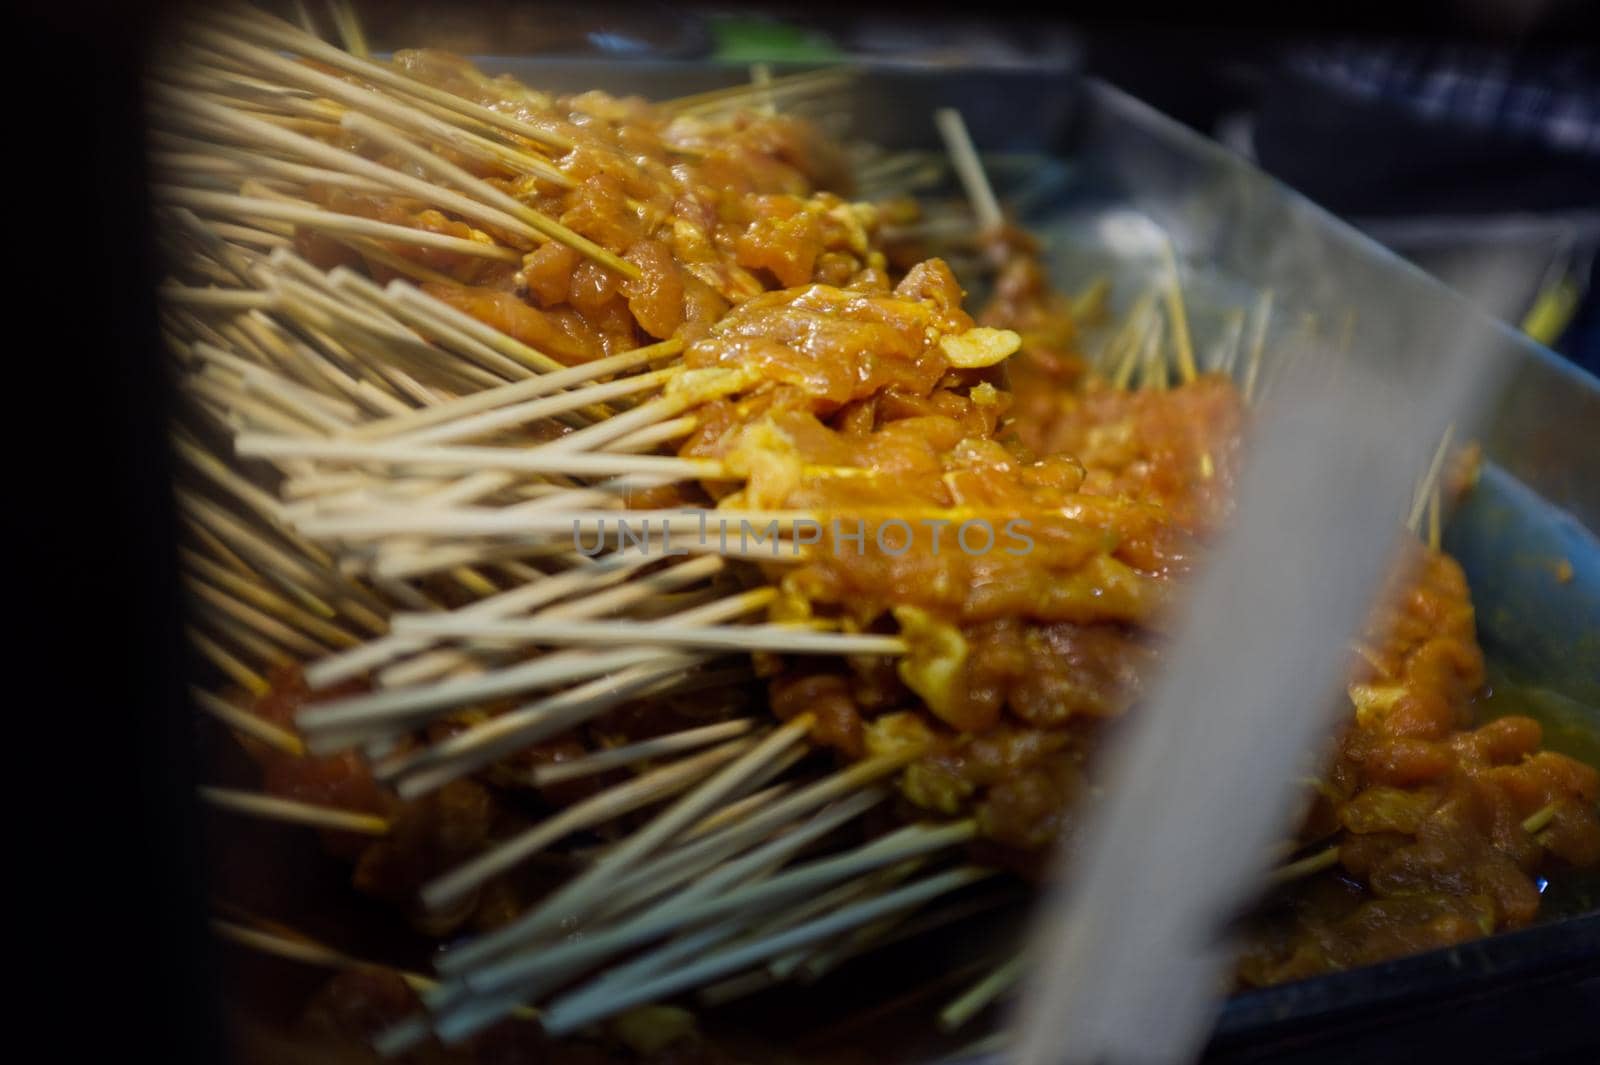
[{"x": 1083, "y": 158}]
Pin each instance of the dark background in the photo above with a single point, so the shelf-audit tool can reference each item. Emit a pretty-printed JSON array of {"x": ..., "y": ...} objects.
[{"x": 107, "y": 852}]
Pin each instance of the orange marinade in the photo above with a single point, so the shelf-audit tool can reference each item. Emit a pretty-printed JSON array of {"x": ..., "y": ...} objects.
[
  {"x": 710, "y": 211},
  {"x": 1428, "y": 811},
  {"x": 852, "y": 409},
  {"x": 1048, "y": 647},
  {"x": 856, "y": 416}
]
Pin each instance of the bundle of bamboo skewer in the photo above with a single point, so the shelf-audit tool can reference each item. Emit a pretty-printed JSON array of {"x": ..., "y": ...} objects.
[
  {"x": 387, "y": 489},
  {"x": 334, "y": 384}
]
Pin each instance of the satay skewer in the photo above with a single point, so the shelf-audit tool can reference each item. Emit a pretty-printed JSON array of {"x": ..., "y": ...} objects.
[
  {"x": 969, "y": 168},
  {"x": 249, "y": 22},
  {"x": 274, "y": 808},
  {"x": 243, "y": 721}
]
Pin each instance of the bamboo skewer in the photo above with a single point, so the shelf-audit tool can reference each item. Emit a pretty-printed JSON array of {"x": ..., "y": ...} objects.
[
  {"x": 467, "y": 457},
  {"x": 1173, "y": 292},
  {"x": 502, "y": 418},
  {"x": 401, "y": 709},
  {"x": 729, "y": 896},
  {"x": 502, "y": 396},
  {"x": 240, "y": 164},
  {"x": 969, "y": 168},
  {"x": 1258, "y": 340},
  {"x": 976, "y": 998},
  {"x": 572, "y": 1012},
  {"x": 787, "y": 639},
  {"x": 385, "y": 649},
  {"x": 775, "y": 90},
  {"x": 1315, "y": 863},
  {"x": 349, "y": 600},
  {"x": 256, "y": 648},
  {"x": 665, "y": 872},
  {"x": 243, "y": 721},
  {"x": 874, "y": 882},
  {"x": 1540, "y": 819},
  {"x": 682, "y": 948},
  {"x": 225, "y": 557},
  {"x": 405, "y": 706},
  {"x": 253, "y": 498},
  {"x": 349, "y": 27},
  {"x": 1430, "y": 479},
  {"x": 406, "y": 111},
  {"x": 228, "y": 664},
  {"x": 262, "y": 598},
  {"x": 484, "y": 744},
  {"x": 437, "y": 310},
  {"x": 269, "y": 627},
  {"x": 761, "y": 81},
  {"x": 226, "y": 298},
  {"x": 900, "y": 929},
  {"x": 245, "y": 411},
  {"x": 250, "y": 23},
  {"x": 316, "y": 218},
  {"x": 1225, "y": 354},
  {"x": 602, "y": 595},
  {"x": 330, "y": 414},
  {"x": 705, "y": 849},
  {"x": 273, "y": 808},
  {"x": 322, "y": 369},
  {"x": 653, "y": 436},
  {"x": 337, "y": 160},
  {"x": 463, "y": 1015},
  {"x": 430, "y": 327},
  {"x": 651, "y": 787},
  {"x": 283, "y": 947},
  {"x": 576, "y": 899},
  {"x": 300, "y": 949},
  {"x": 312, "y": 568},
  {"x": 1435, "y": 505},
  {"x": 1154, "y": 366},
  {"x": 448, "y": 172},
  {"x": 641, "y": 751},
  {"x": 1112, "y": 355},
  {"x": 1138, "y": 343},
  {"x": 403, "y": 564},
  {"x": 368, "y": 325},
  {"x": 723, "y": 896},
  {"x": 760, "y": 534}
]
